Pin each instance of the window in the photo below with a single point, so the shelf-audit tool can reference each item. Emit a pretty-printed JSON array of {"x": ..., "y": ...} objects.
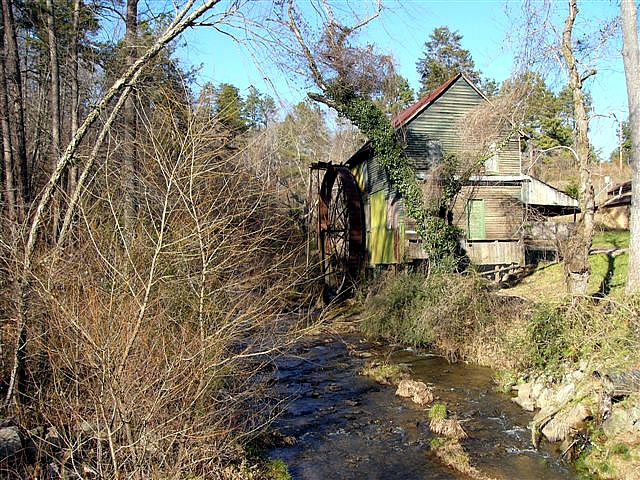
[{"x": 491, "y": 163}]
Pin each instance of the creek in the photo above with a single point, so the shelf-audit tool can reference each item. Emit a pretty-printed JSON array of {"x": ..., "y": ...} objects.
[{"x": 347, "y": 426}]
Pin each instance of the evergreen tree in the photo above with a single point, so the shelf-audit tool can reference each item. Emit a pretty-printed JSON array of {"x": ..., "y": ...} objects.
[
  {"x": 396, "y": 94},
  {"x": 443, "y": 58},
  {"x": 230, "y": 108},
  {"x": 626, "y": 145},
  {"x": 259, "y": 109},
  {"x": 303, "y": 135},
  {"x": 548, "y": 117}
]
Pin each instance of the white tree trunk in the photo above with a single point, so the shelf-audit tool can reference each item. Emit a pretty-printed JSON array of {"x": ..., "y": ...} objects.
[{"x": 631, "y": 57}]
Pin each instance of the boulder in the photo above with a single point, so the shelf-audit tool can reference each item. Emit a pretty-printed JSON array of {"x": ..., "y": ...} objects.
[
  {"x": 524, "y": 399},
  {"x": 526, "y": 403},
  {"x": 564, "y": 393},
  {"x": 10, "y": 442},
  {"x": 545, "y": 398},
  {"x": 417, "y": 391},
  {"x": 566, "y": 422},
  {"x": 622, "y": 419}
]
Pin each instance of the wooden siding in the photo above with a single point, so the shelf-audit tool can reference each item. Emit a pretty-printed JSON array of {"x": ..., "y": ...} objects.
[
  {"x": 385, "y": 232},
  {"x": 435, "y": 131},
  {"x": 503, "y": 211},
  {"x": 495, "y": 253}
]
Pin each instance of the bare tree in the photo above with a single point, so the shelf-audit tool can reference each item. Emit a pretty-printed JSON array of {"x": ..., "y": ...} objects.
[
  {"x": 631, "y": 57},
  {"x": 75, "y": 87},
  {"x": 54, "y": 103},
  {"x": 577, "y": 266},
  {"x": 186, "y": 17},
  {"x": 7, "y": 154},
  {"x": 130, "y": 121},
  {"x": 571, "y": 49}
]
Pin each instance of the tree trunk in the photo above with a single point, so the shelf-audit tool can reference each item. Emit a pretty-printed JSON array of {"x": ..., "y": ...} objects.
[
  {"x": 577, "y": 268},
  {"x": 75, "y": 112},
  {"x": 7, "y": 156},
  {"x": 130, "y": 127},
  {"x": 54, "y": 107},
  {"x": 631, "y": 58},
  {"x": 16, "y": 107}
]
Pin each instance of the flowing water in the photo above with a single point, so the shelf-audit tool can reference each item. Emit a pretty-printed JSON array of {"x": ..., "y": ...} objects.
[{"x": 347, "y": 426}]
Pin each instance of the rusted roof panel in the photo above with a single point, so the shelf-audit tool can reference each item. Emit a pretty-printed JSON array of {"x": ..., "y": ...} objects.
[{"x": 620, "y": 188}]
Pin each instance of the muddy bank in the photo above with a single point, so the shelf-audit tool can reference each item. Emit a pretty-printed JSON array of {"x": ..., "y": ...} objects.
[{"x": 347, "y": 426}]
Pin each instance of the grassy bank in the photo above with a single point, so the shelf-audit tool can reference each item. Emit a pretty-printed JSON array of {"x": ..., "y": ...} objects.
[{"x": 462, "y": 317}]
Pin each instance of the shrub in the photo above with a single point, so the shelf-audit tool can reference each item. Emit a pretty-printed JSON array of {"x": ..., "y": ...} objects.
[
  {"x": 460, "y": 317},
  {"x": 394, "y": 312},
  {"x": 449, "y": 312},
  {"x": 145, "y": 345},
  {"x": 546, "y": 337}
]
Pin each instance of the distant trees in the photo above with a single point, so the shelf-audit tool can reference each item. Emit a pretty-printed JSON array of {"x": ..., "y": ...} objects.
[
  {"x": 546, "y": 115},
  {"x": 259, "y": 109},
  {"x": 396, "y": 94},
  {"x": 239, "y": 114},
  {"x": 625, "y": 137}
]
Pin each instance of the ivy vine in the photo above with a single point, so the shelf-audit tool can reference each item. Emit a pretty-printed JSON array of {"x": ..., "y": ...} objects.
[{"x": 439, "y": 237}]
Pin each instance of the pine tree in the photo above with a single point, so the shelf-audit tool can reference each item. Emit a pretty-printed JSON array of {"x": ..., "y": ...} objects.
[
  {"x": 230, "y": 108},
  {"x": 443, "y": 58}
]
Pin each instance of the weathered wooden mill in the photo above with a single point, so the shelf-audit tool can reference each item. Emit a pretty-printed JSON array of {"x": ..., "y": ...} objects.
[{"x": 501, "y": 210}]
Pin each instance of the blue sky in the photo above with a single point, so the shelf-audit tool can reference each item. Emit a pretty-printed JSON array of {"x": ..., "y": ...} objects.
[{"x": 402, "y": 31}]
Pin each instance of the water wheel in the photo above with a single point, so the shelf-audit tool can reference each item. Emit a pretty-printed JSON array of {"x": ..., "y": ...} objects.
[{"x": 340, "y": 231}]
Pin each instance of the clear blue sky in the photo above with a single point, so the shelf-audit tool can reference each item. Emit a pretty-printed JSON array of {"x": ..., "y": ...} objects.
[{"x": 402, "y": 31}]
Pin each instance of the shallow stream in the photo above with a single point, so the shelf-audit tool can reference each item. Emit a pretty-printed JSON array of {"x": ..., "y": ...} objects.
[{"x": 347, "y": 426}]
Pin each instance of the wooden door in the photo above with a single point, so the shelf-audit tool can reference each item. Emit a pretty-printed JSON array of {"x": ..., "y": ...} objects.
[{"x": 476, "y": 220}]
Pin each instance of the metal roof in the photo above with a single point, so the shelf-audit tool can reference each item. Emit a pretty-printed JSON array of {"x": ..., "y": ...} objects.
[
  {"x": 409, "y": 113},
  {"x": 620, "y": 188},
  {"x": 405, "y": 116}
]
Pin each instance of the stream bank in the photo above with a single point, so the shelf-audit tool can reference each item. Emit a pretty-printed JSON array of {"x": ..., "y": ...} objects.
[{"x": 348, "y": 426}]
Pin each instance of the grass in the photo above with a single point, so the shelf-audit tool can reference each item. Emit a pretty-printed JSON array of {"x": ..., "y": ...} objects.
[
  {"x": 611, "y": 239},
  {"x": 386, "y": 373},
  {"x": 547, "y": 283},
  {"x": 277, "y": 470},
  {"x": 505, "y": 380},
  {"x": 438, "y": 411}
]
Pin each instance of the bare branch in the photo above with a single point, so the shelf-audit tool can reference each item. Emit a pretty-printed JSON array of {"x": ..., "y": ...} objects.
[{"x": 311, "y": 62}]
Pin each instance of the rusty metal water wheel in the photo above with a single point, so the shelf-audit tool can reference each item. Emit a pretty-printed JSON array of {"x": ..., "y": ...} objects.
[{"x": 340, "y": 232}]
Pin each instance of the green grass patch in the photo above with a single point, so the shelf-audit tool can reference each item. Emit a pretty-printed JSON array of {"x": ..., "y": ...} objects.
[
  {"x": 438, "y": 411},
  {"x": 277, "y": 470},
  {"x": 608, "y": 277},
  {"x": 386, "y": 373},
  {"x": 505, "y": 380},
  {"x": 611, "y": 239}
]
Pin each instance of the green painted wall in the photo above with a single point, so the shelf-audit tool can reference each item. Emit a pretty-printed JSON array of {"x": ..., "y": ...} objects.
[
  {"x": 438, "y": 126},
  {"x": 382, "y": 242}
]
